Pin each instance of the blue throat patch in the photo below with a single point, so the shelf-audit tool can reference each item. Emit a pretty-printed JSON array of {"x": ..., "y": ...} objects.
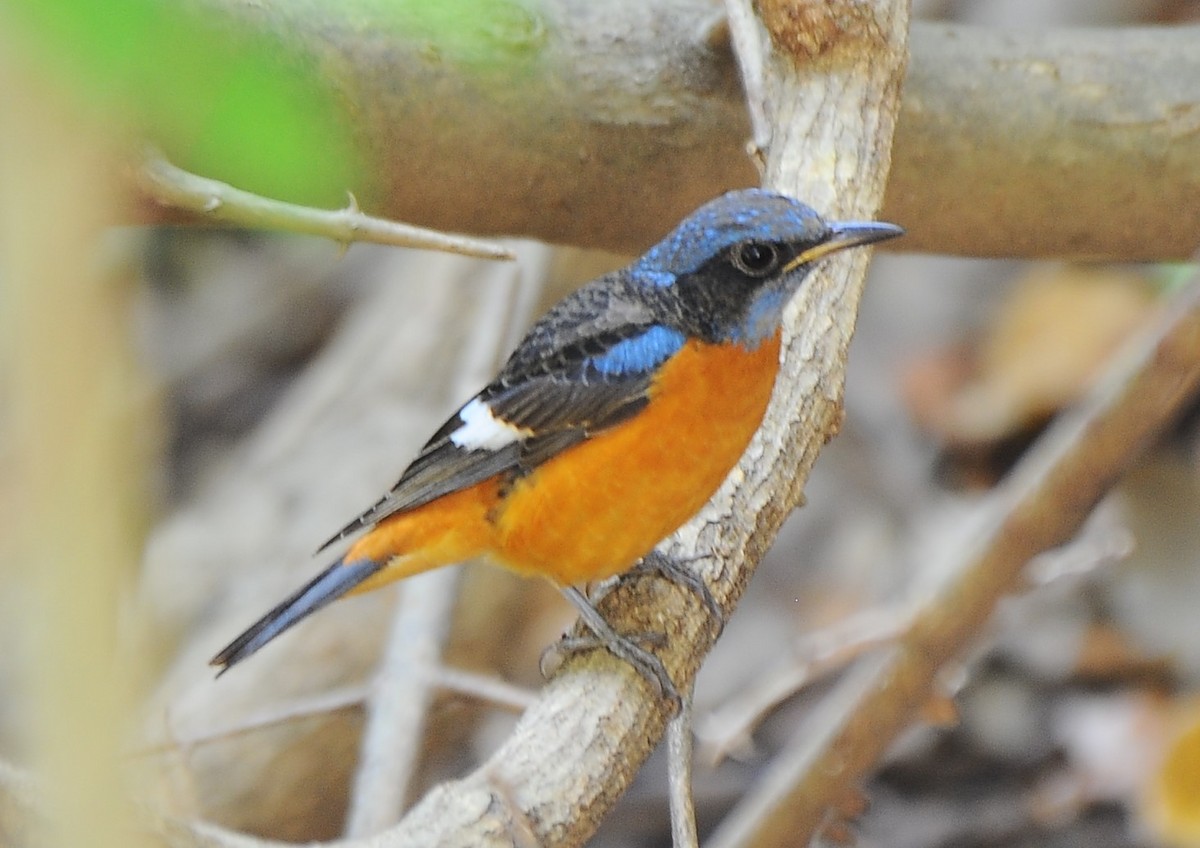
[{"x": 762, "y": 318}]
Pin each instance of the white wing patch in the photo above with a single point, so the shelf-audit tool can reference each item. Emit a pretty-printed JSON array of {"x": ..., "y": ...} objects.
[{"x": 481, "y": 430}]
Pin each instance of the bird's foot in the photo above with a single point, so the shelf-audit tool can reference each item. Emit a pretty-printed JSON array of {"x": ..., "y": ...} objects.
[
  {"x": 676, "y": 571},
  {"x": 644, "y": 662}
]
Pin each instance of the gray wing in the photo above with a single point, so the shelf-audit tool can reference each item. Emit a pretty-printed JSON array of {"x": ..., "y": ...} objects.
[{"x": 562, "y": 385}]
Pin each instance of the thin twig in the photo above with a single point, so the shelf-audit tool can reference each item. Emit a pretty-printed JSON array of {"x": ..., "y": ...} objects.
[
  {"x": 745, "y": 32},
  {"x": 393, "y": 738},
  {"x": 1040, "y": 505},
  {"x": 329, "y": 701},
  {"x": 730, "y": 725},
  {"x": 492, "y": 691},
  {"x": 221, "y": 202},
  {"x": 679, "y": 776},
  {"x": 406, "y": 683}
]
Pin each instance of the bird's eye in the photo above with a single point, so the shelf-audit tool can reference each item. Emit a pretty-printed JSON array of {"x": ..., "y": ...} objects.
[{"x": 755, "y": 258}]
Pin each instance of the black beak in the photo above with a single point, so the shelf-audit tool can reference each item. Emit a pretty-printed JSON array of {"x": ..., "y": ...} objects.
[{"x": 844, "y": 234}]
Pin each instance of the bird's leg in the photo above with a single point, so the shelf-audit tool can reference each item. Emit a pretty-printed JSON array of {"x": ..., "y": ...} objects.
[
  {"x": 643, "y": 661},
  {"x": 676, "y": 571}
]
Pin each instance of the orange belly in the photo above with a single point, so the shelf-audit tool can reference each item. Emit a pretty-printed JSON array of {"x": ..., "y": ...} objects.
[{"x": 597, "y": 508}]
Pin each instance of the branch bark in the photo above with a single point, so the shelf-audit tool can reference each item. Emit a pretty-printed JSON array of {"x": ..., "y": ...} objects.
[
  {"x": 75, "y": 398},
  {"x": 615, "y": 118},
  {"x": 405, "y": 682},
  {"x": 833, "y": 124},
  {"x": 1042, "y": 504},
  {"x": 578, "y": 747},
  {"x": 223, "y": 204},
  {"x": 291, "y": 779}
]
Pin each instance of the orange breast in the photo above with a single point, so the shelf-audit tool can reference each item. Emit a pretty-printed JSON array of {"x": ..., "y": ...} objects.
[{"x": 597, "y": 508}]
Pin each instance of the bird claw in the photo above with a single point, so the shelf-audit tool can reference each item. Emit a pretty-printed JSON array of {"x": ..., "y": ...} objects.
[
  {"x": 643, "y": 661},
  {"x": 673, "y": 570}
]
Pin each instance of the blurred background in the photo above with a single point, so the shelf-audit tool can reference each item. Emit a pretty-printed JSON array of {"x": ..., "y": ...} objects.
[{"x": 279, "y": 384}]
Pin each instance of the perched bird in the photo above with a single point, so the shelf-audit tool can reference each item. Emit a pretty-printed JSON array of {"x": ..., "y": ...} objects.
[{"x": 611, "y": 424}]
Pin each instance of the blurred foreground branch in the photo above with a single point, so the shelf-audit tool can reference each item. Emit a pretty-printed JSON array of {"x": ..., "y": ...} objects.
[
  {"x": 602, "y": 123},
  {"x": 82, "y": 430},
  {"x": 20, "y": 811}
]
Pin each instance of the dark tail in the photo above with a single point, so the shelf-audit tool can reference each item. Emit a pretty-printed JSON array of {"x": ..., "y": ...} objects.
[{"x": 328, "y": 586}]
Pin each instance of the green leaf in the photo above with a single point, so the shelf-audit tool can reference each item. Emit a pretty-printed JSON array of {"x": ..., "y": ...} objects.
[
  {"x": 476, "y": 34},
  {"x": 233, "y": 105}
]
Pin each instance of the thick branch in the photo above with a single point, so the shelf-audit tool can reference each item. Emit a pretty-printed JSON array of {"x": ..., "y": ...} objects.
[
  {"x": 608, "y": 121},
  {"x": 1041, "y": 505},
  {"x": 578, "y": 747},
  {"x": 558, "y": 785}
]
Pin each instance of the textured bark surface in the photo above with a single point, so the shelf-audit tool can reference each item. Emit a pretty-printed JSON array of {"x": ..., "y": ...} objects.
[
  {"x": 833, "y": 132},
  {"x": 577, "y": 748},
  {"x": 605, "y": 120}
]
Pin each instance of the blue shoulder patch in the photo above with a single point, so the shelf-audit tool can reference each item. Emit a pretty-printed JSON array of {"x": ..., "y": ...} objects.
[{"x": 640, "y": 353}]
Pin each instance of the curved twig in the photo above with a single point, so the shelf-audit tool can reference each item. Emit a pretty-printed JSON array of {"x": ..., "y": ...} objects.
[{"x": 220, "y": 202}]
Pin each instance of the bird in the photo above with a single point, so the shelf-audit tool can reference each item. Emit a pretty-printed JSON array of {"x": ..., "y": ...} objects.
[{"x": 612, "y": 422}]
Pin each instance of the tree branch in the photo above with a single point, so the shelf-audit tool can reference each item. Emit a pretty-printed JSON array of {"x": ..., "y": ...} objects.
[
  {"x": 578, "y": 747},
  {"x": 334, "y": 430},
  {"x": 1040, "y": 505},
  {"x": 604, "y": 720},
  {"x": 622, "y": 116},
  {"x": 392, "y": 740},
  {"x": 176, "y": 189},
  {"x": 680, "y": 757}
]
